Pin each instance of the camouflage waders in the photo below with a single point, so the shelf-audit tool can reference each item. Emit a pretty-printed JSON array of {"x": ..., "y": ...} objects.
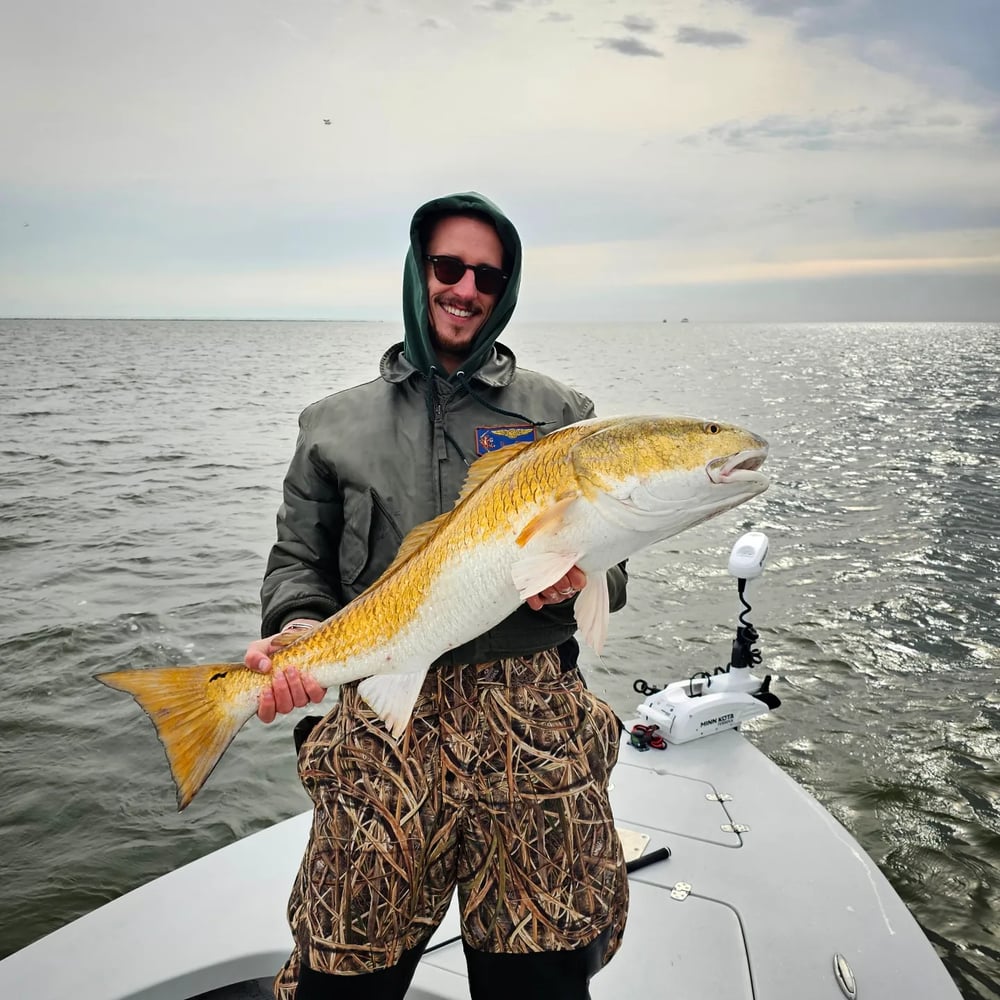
[{"x": 498, "y": 786}]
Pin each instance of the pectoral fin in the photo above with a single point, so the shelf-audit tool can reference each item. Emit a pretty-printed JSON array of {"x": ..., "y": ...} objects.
[
  {"x": 592, "y": 610},
  {"x": 533, "y": 574},
  {"x": 392, "y": 697},
  {"x": 549, "y": 520}
]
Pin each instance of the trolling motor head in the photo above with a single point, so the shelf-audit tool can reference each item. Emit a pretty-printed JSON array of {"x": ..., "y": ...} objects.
[
  {"x": 710, "y": 703},
  {"x": 746, "y": 561}
]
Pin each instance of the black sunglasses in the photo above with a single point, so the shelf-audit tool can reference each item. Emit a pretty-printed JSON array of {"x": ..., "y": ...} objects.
[{"x": 451, "y": 270}]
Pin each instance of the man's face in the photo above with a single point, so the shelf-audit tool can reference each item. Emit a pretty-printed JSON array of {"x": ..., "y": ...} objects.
[{"x": 458, "y": 312}]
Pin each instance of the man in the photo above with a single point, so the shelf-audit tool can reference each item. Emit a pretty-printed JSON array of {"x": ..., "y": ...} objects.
[{"x": 499, "y": 784}]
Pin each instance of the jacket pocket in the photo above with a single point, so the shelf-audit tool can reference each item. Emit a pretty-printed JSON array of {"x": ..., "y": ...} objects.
[{"x": 369, "y": 541}]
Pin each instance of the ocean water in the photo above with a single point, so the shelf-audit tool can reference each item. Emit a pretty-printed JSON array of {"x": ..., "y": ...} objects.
[{"x": 142, "y": 466}]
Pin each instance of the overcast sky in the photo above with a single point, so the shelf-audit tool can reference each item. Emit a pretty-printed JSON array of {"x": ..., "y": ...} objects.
[{"x": 722, "y": 159}]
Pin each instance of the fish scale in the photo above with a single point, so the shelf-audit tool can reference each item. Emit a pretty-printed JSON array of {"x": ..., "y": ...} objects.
[{"x": 587, "y": 495}]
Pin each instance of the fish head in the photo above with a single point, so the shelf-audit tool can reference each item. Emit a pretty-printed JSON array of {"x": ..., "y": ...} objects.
[{"x": 660, "y": 475}]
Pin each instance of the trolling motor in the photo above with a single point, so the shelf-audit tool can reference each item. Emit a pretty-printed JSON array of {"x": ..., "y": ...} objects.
[{"x": 709, "y": 703}]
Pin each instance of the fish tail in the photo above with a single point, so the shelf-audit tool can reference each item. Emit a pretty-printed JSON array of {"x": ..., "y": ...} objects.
[{"x": 195, "y": 718}]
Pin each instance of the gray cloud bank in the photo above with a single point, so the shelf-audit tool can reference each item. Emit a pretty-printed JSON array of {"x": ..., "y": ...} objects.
[
  {"x": 853, "y": 129},
  {"x": 632, "y": 22},
  {"x": 629, "y": 47},
  {"x": 920, "y": 37},
  {"x": 689, "y": 35}
]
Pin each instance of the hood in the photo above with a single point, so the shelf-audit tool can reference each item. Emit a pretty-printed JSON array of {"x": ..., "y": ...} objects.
[{"x": 417, "y": 345}]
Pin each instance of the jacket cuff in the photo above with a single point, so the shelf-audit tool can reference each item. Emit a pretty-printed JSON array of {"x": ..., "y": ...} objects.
[{"x": 276, "y": 618}]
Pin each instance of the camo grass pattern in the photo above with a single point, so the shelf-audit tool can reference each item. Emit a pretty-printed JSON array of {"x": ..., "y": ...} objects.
[{"x": 498, "y": 787}]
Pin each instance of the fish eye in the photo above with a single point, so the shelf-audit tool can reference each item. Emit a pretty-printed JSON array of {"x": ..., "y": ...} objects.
[{"x": 712, "y": 428}]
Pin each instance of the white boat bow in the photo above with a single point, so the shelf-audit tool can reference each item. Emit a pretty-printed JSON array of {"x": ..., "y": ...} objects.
[{"x": 765, "y": 897}]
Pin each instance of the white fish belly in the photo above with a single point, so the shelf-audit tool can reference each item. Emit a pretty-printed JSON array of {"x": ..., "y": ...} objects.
[
  {"x": 470, "y": 595},
  {"x": 475, "y": 591}
]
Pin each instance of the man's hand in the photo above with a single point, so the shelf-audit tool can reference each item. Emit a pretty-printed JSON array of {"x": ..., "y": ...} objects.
[
  {"x": 289, "y": 689},
  {"x": 562, "y": 590}
]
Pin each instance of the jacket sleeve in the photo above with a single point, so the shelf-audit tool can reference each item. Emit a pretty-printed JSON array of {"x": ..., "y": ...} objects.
[{"x": 302, "y": 571}]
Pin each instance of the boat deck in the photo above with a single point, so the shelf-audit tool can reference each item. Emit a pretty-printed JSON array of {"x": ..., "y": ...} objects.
[{"x": 762, "y": 892}]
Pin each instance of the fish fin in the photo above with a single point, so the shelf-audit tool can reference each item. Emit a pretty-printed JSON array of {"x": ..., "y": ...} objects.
[
  {"x": 533, "y": 574},
  {"x": 593, "y": 609},
  {"x": 416, "y": 538},
  {"x": 484, "y": 467},
  {"x": 392, "y": 697},
  {"x": 550, "y": 519},
  {"x": 479, "y": 472},
  {"x": 285, "y": 639},
  {"x": 194, "y": 719}
]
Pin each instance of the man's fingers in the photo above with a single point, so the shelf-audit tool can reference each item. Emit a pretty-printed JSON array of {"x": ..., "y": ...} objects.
[
  {"x": 258, "y": 662},
  {"x": 289, "y": 689},
  {"x": 313, "y": 689},
  {"x": 265, "y": 706},
  {"x": 298, "y": 693},
  {"x": 282, "y": 696},
  {"x": 258, "y": 656},
  {"x": 562, "y": 590},
  {"x": 566, "y": 587}
]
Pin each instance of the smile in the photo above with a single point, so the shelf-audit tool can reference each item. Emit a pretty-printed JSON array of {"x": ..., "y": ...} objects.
[{"x": 457, "y": 311}]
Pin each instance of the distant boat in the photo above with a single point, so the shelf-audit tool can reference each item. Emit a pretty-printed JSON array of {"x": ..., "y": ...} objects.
[{"x": 684, "y": 320}]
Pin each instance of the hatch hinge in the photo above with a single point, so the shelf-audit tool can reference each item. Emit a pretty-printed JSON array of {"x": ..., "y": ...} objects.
[
  {"x": 735, "y": 828},
  {"x": 681, "y": 890}
]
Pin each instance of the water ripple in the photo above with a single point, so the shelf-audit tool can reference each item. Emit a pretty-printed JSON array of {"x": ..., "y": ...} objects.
[{"x": 143, "y": 471}]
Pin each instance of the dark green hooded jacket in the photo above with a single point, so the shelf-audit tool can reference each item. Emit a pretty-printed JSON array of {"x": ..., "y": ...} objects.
[{"x": 374, "y": 461}]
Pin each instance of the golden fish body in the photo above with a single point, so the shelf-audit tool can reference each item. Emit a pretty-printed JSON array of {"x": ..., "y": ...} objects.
[{"x": 590, "y": 494}]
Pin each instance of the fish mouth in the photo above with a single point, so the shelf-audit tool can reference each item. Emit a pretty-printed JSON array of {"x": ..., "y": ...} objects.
[{"x": 739, "y": 468}]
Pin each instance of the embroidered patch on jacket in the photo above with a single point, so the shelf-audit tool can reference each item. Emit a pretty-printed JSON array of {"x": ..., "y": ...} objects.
[{"x": 492, "y": 438}]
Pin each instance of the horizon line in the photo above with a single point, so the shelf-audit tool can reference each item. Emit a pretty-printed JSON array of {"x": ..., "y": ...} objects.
[{"x": 556, "y": 322}]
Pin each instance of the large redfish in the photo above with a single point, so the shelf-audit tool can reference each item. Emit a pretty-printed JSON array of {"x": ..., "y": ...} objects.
[{"x": 590, "y": 495}]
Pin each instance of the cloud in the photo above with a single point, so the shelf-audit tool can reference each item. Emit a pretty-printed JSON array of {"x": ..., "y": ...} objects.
[
  {"x": 991, "y": 126},
  {"x": 99, "y": 155},
  {"x": 807, "y": 285},
  {"x": 690, "y": 35},
  {"x": 632, "y": 22},
  {"x": 497, "y": 6},
  {"x": 855, "y": 129},
  {"x": 931, "y": 40},
  {"x": 902, "y": 216},
  {"x": 344, "y": 292},
  {"x": 629, "y": 47},
  {"x": 838, "y": 267}
]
